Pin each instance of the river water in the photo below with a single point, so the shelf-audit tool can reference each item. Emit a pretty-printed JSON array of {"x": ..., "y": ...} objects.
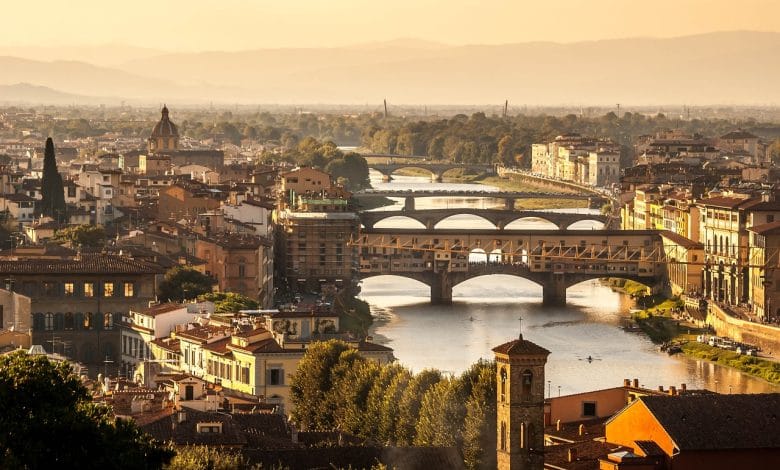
[{"x": 490, "y": 310}]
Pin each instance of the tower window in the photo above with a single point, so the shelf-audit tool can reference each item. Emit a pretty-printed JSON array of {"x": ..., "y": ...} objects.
[
  {"x": 503, "y": 384},
  {"x": 526, "y": 385}
]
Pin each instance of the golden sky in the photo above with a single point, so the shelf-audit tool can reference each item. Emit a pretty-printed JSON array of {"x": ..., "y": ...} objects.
[{"x": 178, "y": 25}]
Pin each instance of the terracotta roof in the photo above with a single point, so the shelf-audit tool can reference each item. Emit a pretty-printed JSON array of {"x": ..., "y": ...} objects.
[
  {"x": 219, "y": 347},
  {"x": 160, "y": 309},
  {"x": 678, "y": 239},
  {"x": 520, "y": 346},
  {"x": 87, "y": 264},
  {"x": 265, "y": 346},
  {"x": 713, "y": 422},
  {"x": 765, "y": 229},
  {"x": 739, "y": 134},
  {"x": 368, "y": 346},
  {"x": 723, "y": 201}
]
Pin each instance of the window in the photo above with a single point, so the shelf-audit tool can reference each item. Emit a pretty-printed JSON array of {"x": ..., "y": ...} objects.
[
  {"x": 526, "y": 385},
  {"x": 108, "y": 289},
  {"x": 503, "y": 384},
  {"x": 108, "y": 321},
  {"x": 276, "y": 376},
  {"x": 242, "y": 270},
  {"x": 589, "y": 409},
  {"x": 49, "y": 321},
  {"x": 69, "y": 289},
  {"x": 89, "y": 289},
  {"x": 129, "y": 292},
  {"x": 245, "y": 375},
  {"x": 770, "y": 218}
]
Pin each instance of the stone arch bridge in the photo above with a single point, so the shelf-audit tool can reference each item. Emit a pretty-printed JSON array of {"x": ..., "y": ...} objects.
[
  {"x": 437, "y": 170},
  {"x": 500, "y": 218},
  {"x": 554, "y": 259}
]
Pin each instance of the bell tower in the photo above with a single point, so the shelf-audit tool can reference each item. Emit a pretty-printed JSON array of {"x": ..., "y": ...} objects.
[{"x": 520, "y": 405}]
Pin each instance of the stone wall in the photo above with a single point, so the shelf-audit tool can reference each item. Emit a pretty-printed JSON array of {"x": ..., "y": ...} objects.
[{"x": 765, "y": 336}]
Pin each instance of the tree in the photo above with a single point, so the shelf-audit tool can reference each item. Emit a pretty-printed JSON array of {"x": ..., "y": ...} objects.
[
  {"x": 441, "y": 415},
  {"x": 229, "y": 301},
  {"x": 388, "y": 425},
  {"x": 479, "y": 424},
  {"x": 353, "y": 381},
  {"x": 409, "y": 405},
  {"x": 182, "y": 283},
  {"x": 381, "y": 387},
  {"x": 49, "y": 421},
  {"x": 205, "y": 457},
  {"x": 52, "y": 191},
  {"x": 312, "y": 383},
  {"x": 83, "y": 235}
]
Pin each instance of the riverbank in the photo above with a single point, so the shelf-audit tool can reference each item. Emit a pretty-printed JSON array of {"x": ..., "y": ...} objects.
[
  {"x": 751, "y": 365},
  {"x": 658, "y": 322}
]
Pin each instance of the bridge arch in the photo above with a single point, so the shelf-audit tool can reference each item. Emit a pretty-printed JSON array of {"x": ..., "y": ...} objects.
[
  {"x": 540, "y": 223},
  {"x": 451, "y": 221},
  {"x": 393, "y": 221},
  {"x": 584, "y": 224}
]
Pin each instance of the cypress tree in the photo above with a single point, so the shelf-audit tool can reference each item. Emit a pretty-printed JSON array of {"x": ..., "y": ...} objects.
[{"x": 52, "y": 191}]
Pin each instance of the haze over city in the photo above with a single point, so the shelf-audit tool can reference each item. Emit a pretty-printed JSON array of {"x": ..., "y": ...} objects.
[{"x": 410, "y": 52}]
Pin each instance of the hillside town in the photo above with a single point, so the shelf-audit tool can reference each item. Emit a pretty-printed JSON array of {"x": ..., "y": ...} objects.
[{"x": 186, "y": 281}]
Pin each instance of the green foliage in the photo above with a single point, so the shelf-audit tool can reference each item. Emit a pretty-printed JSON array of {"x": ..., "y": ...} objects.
[
  {"x": 335, "y": 388},
  {"x": 441, "y": 415},
  {"x": 207, "y": 458},
  {"x": 52, "y": 191},
  {"x": 311, "y": 385},
  {"x": 229, "y": 301},
  {"x": 182, "y": 283},
  {"x": 757, "y": 367},
  {"x": 83, "y": 235},
  {"x": 479, "y": 426},
  {"x": 409, "y": 405},
  {"x": 353, "y": 381},
  {"x": 352, "y": 169},
  {"x": 49, "y": 421}
]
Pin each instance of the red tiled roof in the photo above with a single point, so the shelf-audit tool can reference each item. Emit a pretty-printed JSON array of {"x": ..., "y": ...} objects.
[
  {"x": 763, "y": 229},
  {"x": 520, "y": 346},
  {"x": 678, "y": 239},
  {"x": 87, "y": 264},
  {"x": 160, "y": 309}
]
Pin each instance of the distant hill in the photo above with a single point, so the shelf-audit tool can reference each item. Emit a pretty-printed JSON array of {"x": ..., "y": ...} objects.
[
  {"x": 24, "y": 93},
  {"x": 716, "y": 68}
]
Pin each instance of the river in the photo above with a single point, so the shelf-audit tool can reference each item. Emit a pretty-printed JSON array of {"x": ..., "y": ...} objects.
[{"x": 491, "y": 310}]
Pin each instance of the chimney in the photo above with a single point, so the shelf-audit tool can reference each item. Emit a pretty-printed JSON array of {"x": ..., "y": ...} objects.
[
  {"x": 581, "y": 429},
  {"x": 626, "y": 382},
  {"x": 572, "y": 455},
  {"x": 660, "y": 388},
  {"x": 558, "y": 425},
  {"x": 181, "y": 417},
  {"x": 673, "y": 390},
  {"x": 636, "y": 383},
  {"x": 683, "y": 388}
]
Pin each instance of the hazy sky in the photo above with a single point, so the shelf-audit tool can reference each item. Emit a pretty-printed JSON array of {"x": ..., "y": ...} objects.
[{"x": 245, "y": 24}]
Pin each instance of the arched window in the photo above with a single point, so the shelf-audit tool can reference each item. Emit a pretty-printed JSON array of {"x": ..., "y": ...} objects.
[
  {"x": 78, "y": 321},
  {"x": 503, "y": 436},
  {"x": 523, "y": 437},
  {"x": 503, "y": 384},
  {"x": 97, "y": 321},
  {"x": 69, "y": 321},
  {"x": 526, "y": 384},
  {"x": 108, "y": 320},
  {"x": 49, "y": 321},
  {"x": 39, "y": 322},
  {"x": 87, "y": 321},
  {"x": 59, "y": 321}
]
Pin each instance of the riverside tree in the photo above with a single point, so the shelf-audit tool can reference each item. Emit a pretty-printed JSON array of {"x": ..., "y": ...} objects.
[
  {"x": 52, "y": 191},
  {"x": 50, "y": 421}
]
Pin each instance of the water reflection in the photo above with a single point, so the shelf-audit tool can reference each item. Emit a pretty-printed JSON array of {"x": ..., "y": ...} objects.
[{"x": 487, "y": 312}]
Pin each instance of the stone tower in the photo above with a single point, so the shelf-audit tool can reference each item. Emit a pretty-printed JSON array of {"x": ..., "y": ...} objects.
[
  {"x": 520, "y": 405},
  {"x": 165, "y": 135}
]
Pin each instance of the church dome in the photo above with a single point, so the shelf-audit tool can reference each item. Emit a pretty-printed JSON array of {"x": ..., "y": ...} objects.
[{"x": 165, "y": 128}]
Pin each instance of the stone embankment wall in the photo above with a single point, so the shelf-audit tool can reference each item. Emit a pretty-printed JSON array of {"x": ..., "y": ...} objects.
[{"x": 765, "y": 336}]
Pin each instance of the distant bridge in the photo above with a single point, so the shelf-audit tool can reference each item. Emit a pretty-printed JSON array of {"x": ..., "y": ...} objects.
[
  {"x": 500, "y": 218},
  {"x": 555, "y": 259},
  {"x": 437, "y": 169},
  {"x": 509, "y": 197}
]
